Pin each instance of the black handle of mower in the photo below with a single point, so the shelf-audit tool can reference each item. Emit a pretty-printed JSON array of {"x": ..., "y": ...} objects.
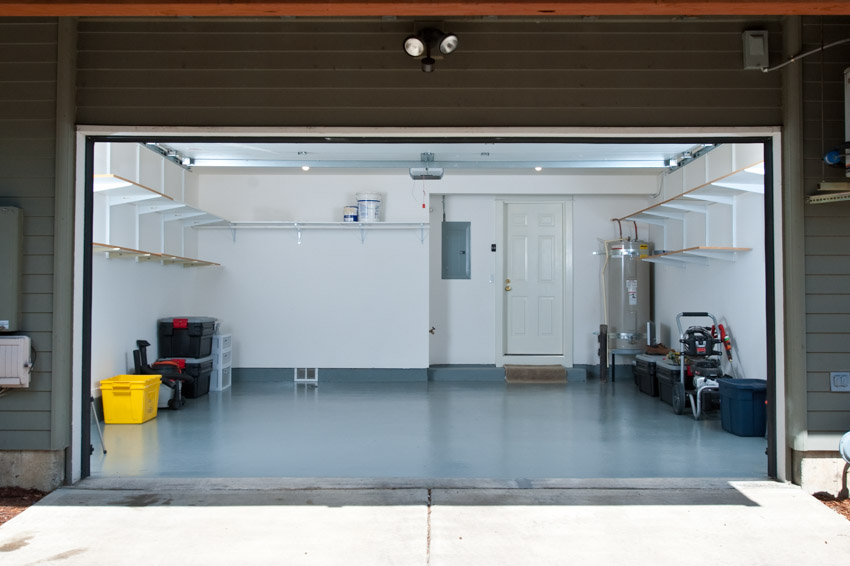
[{"x": 694, "y": 314}]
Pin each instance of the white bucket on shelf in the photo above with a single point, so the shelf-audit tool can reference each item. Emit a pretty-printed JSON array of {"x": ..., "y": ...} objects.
[
  {"x": 368, "y": 207},
  {"x": 349, "y": 214}
]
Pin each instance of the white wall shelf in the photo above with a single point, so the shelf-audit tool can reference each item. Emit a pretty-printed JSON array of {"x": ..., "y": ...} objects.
[
  {"x": 124, "y": 191},
  {"x": 704, "y": 210},
  {"x": 141, "y": 209},
  {"x": 721, "y": 191},
  {"x": 698, "y": 254},
  {"x": 119, "y": 190},
  {"x": 299, "y": 227},
  {"x": 119, "y": 252}
]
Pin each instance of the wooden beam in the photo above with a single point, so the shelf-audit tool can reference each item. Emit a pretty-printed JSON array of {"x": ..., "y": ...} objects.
[{"x": 423, "y": 8}]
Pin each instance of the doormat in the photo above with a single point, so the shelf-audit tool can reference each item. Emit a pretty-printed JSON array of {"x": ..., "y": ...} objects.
[{"x": 535, "y": 374}]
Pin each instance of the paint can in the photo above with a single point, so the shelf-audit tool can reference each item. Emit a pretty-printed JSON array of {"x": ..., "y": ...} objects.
[
  {"x": 349, "y": 214},
  {"x": 369, "y": 207}
]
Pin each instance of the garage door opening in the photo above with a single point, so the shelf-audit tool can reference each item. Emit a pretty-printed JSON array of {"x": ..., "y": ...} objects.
[{"x": 251, "y": 232}]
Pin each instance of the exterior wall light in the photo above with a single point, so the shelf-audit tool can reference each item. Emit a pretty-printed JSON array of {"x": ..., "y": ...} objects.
[{"x": 430, "y": 44}]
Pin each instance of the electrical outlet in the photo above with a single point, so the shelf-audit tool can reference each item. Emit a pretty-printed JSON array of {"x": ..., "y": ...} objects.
[{"x": 839, "y": 381}]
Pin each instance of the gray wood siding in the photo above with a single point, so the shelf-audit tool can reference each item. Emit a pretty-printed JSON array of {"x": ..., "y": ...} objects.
[
  {"x": 827, "y": 227},
  {"x": 27, "y": 152},
  {"x": 269, "y": 72}
]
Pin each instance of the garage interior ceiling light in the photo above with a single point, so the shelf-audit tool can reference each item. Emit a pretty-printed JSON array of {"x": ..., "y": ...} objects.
[{"x": 430, "y": 44}]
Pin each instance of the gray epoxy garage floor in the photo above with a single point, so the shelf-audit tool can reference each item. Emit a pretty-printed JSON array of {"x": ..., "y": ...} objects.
[{"x": 427, "y": 430}]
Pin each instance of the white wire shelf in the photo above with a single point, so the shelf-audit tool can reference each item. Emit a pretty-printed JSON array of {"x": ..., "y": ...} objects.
[{"x": 300, "y": 227}]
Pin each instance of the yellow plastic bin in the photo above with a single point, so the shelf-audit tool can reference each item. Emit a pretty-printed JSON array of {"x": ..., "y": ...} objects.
[{"x": 130, "y": 399}]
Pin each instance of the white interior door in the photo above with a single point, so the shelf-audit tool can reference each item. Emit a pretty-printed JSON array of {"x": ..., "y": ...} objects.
[{"x": 533, "y": 287}]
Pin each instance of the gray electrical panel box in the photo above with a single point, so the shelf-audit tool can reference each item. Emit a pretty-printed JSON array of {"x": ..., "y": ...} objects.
[
  {"x": 456, "y": 260},
  {"x": 11, "y": 267}
]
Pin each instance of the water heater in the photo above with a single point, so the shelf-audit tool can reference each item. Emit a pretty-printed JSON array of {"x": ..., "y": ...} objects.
[{"x": 627, "y": 298}]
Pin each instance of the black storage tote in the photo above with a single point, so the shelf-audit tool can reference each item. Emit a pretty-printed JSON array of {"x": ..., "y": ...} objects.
[{"x": 185, "y": 337}]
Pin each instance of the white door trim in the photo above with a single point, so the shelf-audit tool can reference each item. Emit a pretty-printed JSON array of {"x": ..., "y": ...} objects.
[{"x": 566, "y": 359}]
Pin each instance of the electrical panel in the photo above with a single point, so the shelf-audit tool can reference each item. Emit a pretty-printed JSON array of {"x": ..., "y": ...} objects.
[
  {"x": 15, "y": 363},
  {"x": 456, "y": 241},
  {"x": 11, "y": 262}
]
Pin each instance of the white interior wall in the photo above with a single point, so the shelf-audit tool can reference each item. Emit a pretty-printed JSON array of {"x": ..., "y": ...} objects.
[
  {"x": 333, "y": 301},
  {"x": 733, "y": 291},
  {"x": 307, "y": 196},
  {"x": 462, "y": 310},
  {"x": 591, "y": 223},
  {"x": 330, "y": 301},
  {"x": 128, "y": 298}
]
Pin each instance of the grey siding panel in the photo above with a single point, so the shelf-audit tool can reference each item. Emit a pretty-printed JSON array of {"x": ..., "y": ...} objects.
[
  {"x": 833, "y": 361},
  {"x": 41, "y": 381},
  {"x": 830, "y": 420},
  {"x": 818, "y": 382},
  {"x": 831, "y": 402},
  {"x": 836, "y": 245},
  {"x": 38, "y": 302},
  {"x": 827, "y": 323},
  {"x": 825, "y": 304},
  {"x": 19, "y": 421},
  {"x": 25, "y": 400},
  {"x": 267, "y": 72},
  {"x": 827, "y": 228},
  {"x": 825, "y": 343},
  {"x": 24, "y": 439},
  {"x": 27, "y": 153}
]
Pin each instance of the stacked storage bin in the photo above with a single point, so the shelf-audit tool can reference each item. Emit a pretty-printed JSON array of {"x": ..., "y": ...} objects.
[
  {"x": 189, "y": 339},
  {"x": 222, "y": 361},
  {"x": 645, "y": 378},
  {"x": 668, "y": 374}
]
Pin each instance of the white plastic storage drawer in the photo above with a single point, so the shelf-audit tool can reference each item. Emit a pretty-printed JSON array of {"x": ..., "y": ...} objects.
[
  {"x": 225, "y": 359},
  {"x": 220, "y": 379},
  {"x": 222, "y": 342}
]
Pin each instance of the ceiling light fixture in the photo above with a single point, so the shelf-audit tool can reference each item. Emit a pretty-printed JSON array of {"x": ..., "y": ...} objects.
[
  {"x": 305, "y": 167},
  {"x": 538, "y": 168},
  {"x": 430, "y": 44}
]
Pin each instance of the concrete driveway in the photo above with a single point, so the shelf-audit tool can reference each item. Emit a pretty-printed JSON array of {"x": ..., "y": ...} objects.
[{"x": 426, "y": 522}]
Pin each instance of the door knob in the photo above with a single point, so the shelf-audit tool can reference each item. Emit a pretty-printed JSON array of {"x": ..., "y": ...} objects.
[{"x": 507, "y": 288}]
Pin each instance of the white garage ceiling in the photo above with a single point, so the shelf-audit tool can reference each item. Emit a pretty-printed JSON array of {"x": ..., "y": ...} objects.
[{"x": 466, "y": 155}]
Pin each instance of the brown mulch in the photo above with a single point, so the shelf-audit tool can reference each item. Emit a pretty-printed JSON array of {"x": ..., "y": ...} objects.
[
  {"x": 14, "y": 500},
  {"x": 840, "y": 506}
]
